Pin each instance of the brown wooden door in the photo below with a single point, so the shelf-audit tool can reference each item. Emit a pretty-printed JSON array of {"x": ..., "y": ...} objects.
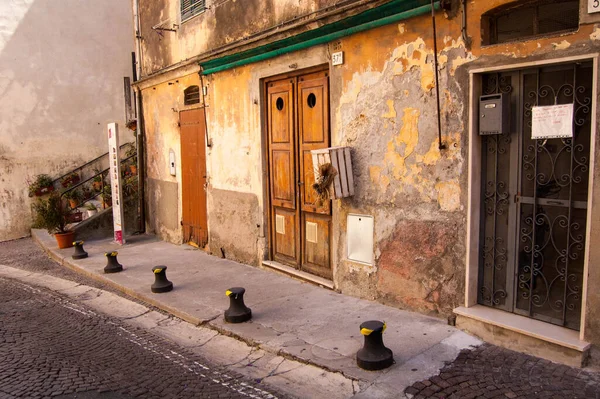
[
  {"x": 298, "y": 122},
  {"x": 193, "y": 177}
]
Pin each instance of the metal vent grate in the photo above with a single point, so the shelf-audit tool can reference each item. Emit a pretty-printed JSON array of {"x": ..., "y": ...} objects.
[{"x": 191, "y": 95}]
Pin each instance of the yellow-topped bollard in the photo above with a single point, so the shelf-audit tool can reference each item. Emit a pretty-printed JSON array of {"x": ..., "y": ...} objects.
[
  {"x": 79, "y": 252},
  {"x": 161, "y": 283},
  {"x": 238, "y": 312},
  {"x": 112, "y": 266},
  {"x": 374, "y": 355}
]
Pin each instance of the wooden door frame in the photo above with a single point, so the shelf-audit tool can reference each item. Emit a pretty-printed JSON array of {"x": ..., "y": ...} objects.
[{"x": 269, "y": 225}]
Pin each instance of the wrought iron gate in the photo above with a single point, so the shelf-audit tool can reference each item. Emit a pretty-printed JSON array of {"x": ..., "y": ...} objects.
[{"x": 534, "y": 198}]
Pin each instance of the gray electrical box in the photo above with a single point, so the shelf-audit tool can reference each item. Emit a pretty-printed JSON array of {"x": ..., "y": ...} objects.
[{"x": 494, "y": 114}]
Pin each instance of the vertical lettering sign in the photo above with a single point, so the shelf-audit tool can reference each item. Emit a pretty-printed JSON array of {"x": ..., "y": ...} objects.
[{"x": 115, "y": 182}]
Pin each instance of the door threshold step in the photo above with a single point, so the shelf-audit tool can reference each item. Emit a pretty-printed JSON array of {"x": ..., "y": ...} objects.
[
  {"x": 298, "y": 273},
  {"x": 520, "y": 333}
]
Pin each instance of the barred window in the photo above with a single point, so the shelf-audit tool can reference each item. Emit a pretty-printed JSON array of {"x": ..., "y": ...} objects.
[
  {"x": 529, "y": 19},
  {"x": 189, "y": 8}
]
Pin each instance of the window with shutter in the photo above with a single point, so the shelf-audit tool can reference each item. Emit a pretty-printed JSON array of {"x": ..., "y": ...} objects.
[
  {"x": 528, "y": 19},
  {"x": 189, "y": 8},
  {"x": 191, "y": 95}
]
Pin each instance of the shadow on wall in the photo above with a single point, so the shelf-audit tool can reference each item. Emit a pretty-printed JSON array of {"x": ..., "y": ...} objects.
[{"x": 61, "y": 81}]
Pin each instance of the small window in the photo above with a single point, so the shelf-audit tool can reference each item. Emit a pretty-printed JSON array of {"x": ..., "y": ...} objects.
[
  {"x": 530, "y": 19},
  {"x": 191, "y": 95},
  {"x": 189, "y": 8}
]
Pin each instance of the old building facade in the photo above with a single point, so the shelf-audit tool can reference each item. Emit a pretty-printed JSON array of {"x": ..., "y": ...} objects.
[{"x": 448, "y": 217}]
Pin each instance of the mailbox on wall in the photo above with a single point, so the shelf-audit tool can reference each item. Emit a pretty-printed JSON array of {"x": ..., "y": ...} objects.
[{"x": 494, "y": 114}]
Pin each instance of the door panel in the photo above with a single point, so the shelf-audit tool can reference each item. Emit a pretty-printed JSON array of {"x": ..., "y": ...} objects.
[
  {"x": 285, "y": 235},
  {"x": 317, "y": 244},
  {"x": 282, "y": 171},
  {"x": 193, "y": 176},
  {"x": 313, "y": 122}
]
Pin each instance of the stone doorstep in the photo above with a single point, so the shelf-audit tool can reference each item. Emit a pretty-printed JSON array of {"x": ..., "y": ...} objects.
[
  {"x": 298, "y": 273},
  {"x": 522, "y": 334}
]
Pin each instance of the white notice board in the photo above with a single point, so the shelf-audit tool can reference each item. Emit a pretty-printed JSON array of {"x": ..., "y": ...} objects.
[{"x": 552, "y": 122}]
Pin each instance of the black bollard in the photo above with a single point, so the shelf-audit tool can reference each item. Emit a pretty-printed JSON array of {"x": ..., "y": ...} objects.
[
  {"x": 161, "y": 284},
  {"x": 79, "y": 252},
  {"x": 374, "y": 355},
  {"x": 112, "y": 266},
  {"x": 237, "y": 312}
]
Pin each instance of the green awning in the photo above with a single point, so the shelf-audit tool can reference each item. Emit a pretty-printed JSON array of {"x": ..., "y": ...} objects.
[{"x": 392, "y": 12}]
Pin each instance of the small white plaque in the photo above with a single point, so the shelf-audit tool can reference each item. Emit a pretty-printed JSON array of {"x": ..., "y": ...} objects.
[
  {"x": 552, "y": 122},
  {"x": 311, "y": 232},
  {"x": 593, "y": 6},
  {"x": 337, "y": 58},
  {"x": 280, "y": 224}
]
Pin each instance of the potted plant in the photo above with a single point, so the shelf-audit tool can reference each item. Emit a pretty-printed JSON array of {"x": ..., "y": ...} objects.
[
  {"x": 132, "y": 154},
  {"x": 42, "y": 184},
  {"x": 51, "y": 214},
  {"x": 91, "y": 209},
  {"x": 74, "y": 197},
  {"x": 97, "y": 183},
  {"x": 107, "y": 196},
  {"x": 70, "y": 180}
]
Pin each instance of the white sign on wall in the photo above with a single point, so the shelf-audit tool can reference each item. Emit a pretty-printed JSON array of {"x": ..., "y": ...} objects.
[
  {"x": 115, "y": 182},
  {"x": 593, "y": 6},
  {"x": 552, "y": 122}
]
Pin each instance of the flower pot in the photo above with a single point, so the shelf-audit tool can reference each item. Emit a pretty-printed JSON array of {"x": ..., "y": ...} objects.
[
  {"x": 44, "y": 190},
  {"x": 97, "y": 186},
  {"x": 91, "y": 213},
  {"x": 133, "y": 169},
  {"x": 65, "y": 240},
  {"x": 73, "y": 203}
]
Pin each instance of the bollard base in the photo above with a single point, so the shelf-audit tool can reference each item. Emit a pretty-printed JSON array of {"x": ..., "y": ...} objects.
[
  {"x": 231, "y": 317},
  {"x": 80, "y": 256},
  {"x": 113, "y": 269},
  {"x": 161, "y": 288},
  {"x": 373, "y": 362}
]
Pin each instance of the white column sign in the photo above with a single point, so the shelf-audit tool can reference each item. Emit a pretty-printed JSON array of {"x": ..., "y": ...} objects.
[
  {"x": 115, "y": 182},
  {"x": 552, "y": 122},
  {"x": 593, "y": 6}
]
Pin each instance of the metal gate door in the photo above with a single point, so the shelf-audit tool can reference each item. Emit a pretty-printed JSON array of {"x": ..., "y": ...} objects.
[{"x": 534, "y": 198}]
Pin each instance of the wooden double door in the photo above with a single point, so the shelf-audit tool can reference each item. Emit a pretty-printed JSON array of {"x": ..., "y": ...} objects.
[{"x": 297, "y": 117}]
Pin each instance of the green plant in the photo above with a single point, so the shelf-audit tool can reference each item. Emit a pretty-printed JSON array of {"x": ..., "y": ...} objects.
[
  {"x": 51, "y": 214},
  {"x": 73, "y": 195},
  {"x": 40, "y": 182},
  {"x": 70, "y": 180},
  {"x": 90, "y": 207}
]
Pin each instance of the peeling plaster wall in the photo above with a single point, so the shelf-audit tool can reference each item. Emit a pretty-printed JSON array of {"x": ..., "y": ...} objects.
[
  {"x": 383, "y": 106},
  {"x": 211, "y": 29},
  {"x": 61, "y": 81}
]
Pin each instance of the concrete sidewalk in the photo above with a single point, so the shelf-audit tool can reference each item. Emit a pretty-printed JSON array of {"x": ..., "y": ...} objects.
[{"x": 290, "y": 318}]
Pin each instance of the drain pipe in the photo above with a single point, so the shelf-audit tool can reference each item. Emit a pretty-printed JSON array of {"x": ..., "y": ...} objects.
[
  {"x": 466, "y": 39},
  {"x": 441, "y": 146},
  {"x": 140, "y": 121}
]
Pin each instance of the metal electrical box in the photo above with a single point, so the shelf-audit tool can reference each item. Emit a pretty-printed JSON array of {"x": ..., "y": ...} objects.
[{"x": 494, "y": 114}]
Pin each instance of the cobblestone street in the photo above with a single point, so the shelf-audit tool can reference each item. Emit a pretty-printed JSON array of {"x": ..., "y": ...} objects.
[
  {"x": 493, "y": 372},
  {"x": 52, "y": 347}
]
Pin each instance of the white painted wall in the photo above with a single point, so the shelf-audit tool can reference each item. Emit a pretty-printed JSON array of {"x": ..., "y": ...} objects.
[{"x": 62, "y": 65}]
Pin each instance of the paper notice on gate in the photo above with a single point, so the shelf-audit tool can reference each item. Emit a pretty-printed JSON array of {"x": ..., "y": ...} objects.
[{"x": 552, "y": 122}]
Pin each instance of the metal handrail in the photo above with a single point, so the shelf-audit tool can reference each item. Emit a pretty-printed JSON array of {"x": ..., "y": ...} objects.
[
  {"x": 81, "y": 183},
  {"x": 58, "y": 179}
]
